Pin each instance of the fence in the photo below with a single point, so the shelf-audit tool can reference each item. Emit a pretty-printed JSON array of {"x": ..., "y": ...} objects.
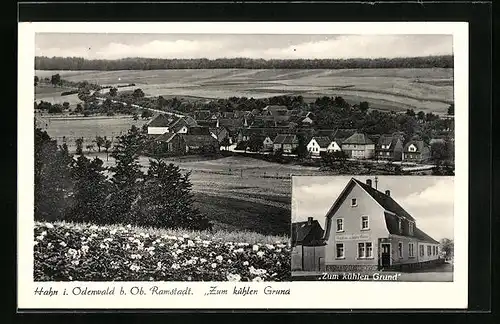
[{"x": 88, "y": 145}]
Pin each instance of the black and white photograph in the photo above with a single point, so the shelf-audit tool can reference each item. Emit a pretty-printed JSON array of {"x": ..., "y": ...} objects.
[
  {"x": 389, "y": 228},
  {"x": 170, "y": 156}
]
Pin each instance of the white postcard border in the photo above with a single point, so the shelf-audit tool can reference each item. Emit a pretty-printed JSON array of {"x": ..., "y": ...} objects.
[{"x": 320, "y": 295}]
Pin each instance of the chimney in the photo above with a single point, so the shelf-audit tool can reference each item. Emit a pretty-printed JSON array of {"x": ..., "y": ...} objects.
[
  {"x": 369, "y": 182},
  {"x": 309, "y": 220},
  {"x": 388, "y": 193}
]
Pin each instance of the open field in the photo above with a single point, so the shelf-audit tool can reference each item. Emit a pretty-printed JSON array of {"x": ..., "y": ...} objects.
[
  {"x": 87, "y": 127},
  {"x": 394, "y": 89},
  {"x": 240, "y": 193}
]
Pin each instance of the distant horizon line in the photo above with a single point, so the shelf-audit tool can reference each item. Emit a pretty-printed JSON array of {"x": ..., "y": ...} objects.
[{"x": 245, "y": 58}]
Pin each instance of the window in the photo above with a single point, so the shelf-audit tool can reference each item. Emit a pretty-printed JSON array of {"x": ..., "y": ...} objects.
[
  {"x": 400, "y": 250},
  {"x": 411, "y": 252},
  {"x": 428, "y": 250},
  {"x": 354, "y": 202},
  {"x": 421, "y": 250},
  {"x": 364, "y": 223},
  {"x": 400, "y": 226},
  {"x": 340, "y": 224},
  {"x": 340, "y": 251},
  {"x": 365, "y": 250},
  {"x": 410, "y": 228}
]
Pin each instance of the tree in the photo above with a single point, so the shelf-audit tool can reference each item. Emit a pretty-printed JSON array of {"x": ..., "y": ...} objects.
[
  {"x": 225, "y": 143},
  {"x": 44, "y": 105},
  {"x": 138, "y": 93},
  {"x": 52, "y": 177},
  {"x": 439, "y": 151},
  {"x": 301, "y": 149},
  {"x": 146, "y": 114},
  {"x": 107, "y": 146},
  {"x": 55, "y": 109},
  {"x": 243, "y": 145},
  {"x": 127, "y": 175},
  {"x": 79, "y": 108},
  {"x": 113, "y": 92},
  {"x": 84, "y": 94},
  {"x": 447, "y": 247},
  {"x": 255, "y": 144},
  {"x": 55, "y": 80},
  {"x": 166, "y": 199},
  {"x": 135, "y": 116},
  {"x": 79, "y": 146},
  {"x": 451, "y": 109},
  {"x": 410, "y": 112},
  {"x": 364, "y": 106},
  {"x": 99, "y": 141},
  {"x": 421, "y": 115},
  {"x": 90, "y": 191},
  {"x": 36, "y": 80}
]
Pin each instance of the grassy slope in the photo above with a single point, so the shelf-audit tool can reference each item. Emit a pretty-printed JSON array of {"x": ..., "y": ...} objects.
[{"x": 232, "y": 213}]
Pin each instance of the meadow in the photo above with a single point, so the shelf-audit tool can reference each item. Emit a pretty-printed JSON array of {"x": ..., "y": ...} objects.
[
  {"x": 239, "y": 193},
  {"x": 72, "y": 127},
  {"x": 430, "y": 90}
]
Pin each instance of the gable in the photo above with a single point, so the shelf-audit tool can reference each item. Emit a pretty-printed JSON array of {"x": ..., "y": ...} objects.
[
  {"x": 312, "y": 143},
  {"x": 366, "y": 205}
]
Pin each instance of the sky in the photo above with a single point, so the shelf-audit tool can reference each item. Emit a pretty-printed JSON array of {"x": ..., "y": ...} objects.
[
  {"x": 429, "y": 199},
  {"x": 211, "y": 46}
]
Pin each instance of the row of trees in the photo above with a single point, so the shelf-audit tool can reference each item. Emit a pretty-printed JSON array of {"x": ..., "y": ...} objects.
[
  {"x": 78, "y": 63},
  {"x": 84, "y": 190}
]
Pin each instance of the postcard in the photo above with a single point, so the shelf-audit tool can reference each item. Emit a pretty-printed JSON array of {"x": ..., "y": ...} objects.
[{"x": 242, "y": 165}]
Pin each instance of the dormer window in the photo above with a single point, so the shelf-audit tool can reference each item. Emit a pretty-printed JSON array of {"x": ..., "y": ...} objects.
[
  {"x": 412, "y": 148},
  {"x": 410, "y": 228},
  {"x": 354, "y": 202},
  {"x": 400, "y": 226}
]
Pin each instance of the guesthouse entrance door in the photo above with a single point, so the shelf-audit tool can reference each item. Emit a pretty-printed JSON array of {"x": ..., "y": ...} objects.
[{"x": 386, "y": 255}]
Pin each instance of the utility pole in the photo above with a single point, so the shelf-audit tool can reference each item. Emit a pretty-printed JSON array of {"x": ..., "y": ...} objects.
[{"x": 376, "y": 182}]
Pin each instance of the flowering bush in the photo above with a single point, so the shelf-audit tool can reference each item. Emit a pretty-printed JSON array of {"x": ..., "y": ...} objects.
[{"x": 72, "y": 252}]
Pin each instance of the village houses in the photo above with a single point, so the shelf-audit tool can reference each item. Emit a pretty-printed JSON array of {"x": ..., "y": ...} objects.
[
  {"x": 286, "y": 142},
  {"x": 358, "y": 146},
  {"x": 390, "y": 147},
  {"x": 307, "y": 244},
  {"x": 416, "y": 151}
]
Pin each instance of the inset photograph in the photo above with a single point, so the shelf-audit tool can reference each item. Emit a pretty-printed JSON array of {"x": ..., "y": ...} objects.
[{"x": 376, "y": 228}]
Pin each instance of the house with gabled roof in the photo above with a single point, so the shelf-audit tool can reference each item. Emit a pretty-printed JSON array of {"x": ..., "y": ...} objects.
[
  {"x": 389, "y": 147},
  {"x": 202, "y": 114},
  {"x": 358, "y": 146},
  {"x": 319, "y": 144},
  {"x": 416, "y": 151},
  {"x": 285, "y": 142},
  {"x": 307, "y": 245},
  {"x": 180, "y": 144},
  {"x": 159, "y": 124},
  {"x": 366, "y": 229},
  {"x": 220, "y": 133}
]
